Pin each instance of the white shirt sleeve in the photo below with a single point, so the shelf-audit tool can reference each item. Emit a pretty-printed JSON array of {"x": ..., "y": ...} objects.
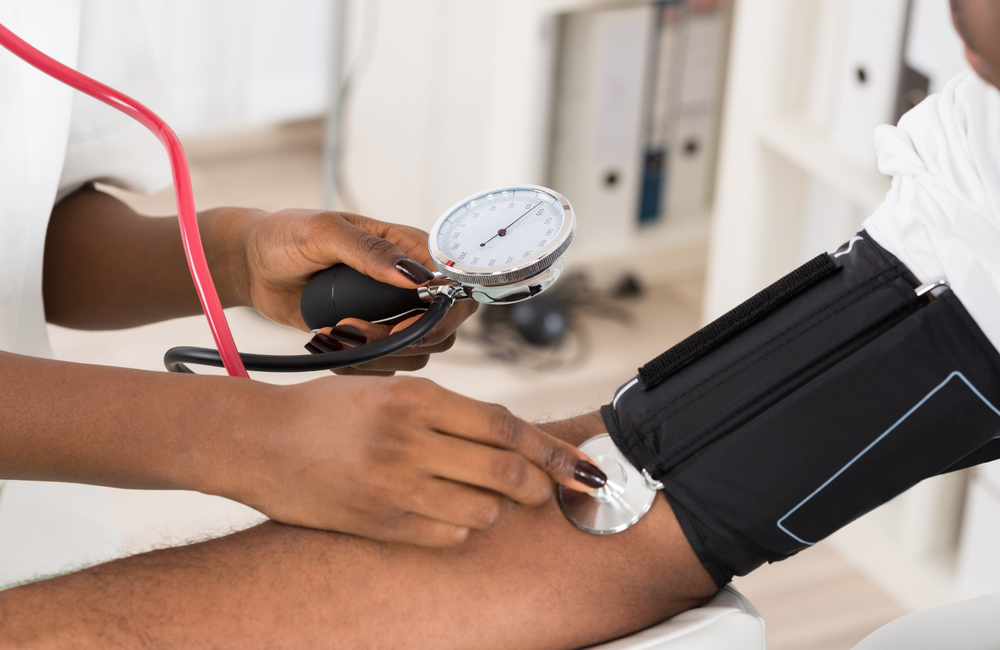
[
  {"x": 47, "y": 527},
  {"x": 104, "y": 144},
  {"x": 941, "y": 217}
]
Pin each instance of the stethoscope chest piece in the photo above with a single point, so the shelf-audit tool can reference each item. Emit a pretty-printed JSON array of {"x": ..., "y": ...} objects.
[{"x": 618, "y": 505}]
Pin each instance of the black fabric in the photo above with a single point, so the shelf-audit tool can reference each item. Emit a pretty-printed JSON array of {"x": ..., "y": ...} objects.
[
  {"x": 731, "y": 323},
  {"x": 828, "y": 406},
  {"x": 985, "y": 454},
  {"x": 717, "y": 551}
]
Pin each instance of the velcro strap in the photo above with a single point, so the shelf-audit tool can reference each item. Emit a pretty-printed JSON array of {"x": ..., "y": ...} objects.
[{"x": 731, "y": 323}]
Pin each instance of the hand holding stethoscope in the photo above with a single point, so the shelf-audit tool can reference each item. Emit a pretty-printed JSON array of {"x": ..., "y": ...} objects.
[{"x": 400, "y": 459}]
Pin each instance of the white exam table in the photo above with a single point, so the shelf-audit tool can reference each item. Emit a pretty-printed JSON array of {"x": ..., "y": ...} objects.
[
  {"x": 727, "y": 622},
  {"x": 731, "y": 622}
]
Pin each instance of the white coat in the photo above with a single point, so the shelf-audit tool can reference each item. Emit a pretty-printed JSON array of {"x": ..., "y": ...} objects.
[
  {"x": 941, "y": 217},
  {"x": 52, "y": 140}
]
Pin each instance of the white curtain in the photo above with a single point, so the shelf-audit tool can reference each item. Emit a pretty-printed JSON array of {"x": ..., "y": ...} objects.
[{"x": 236, "y": 63}]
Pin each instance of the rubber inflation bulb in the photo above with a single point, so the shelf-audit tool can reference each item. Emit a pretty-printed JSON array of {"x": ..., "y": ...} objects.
[{"x": 340, "y": 292}]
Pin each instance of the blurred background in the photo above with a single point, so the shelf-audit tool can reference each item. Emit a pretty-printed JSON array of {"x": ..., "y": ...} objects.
[{"x": 708, "y": 147}]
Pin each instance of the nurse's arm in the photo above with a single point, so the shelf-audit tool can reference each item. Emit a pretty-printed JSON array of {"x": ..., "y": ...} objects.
[
  {"x": 396, "y": 459},
  {"x": 108, "y": 267},
  {"x": 533, "y": 581}
]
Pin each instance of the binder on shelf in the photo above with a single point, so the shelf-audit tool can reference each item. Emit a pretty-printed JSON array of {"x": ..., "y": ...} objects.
[
  {"x": 869, "y": 74},
  {"x": 597, "y": 128},
  {"x": 697, "y": 124},
  {"x": 662, "y": 110},
  {"x": 636, "y": 112}
]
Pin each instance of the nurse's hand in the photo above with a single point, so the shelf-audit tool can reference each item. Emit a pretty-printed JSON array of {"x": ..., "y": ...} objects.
[
  {"x": 272, "y": 256},
  {"x": 398, "y": 459}
]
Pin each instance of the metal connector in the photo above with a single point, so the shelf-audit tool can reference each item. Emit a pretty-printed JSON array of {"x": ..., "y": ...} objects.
[
  {"x": 651, "y": 482},
  {"x": 928, "y": 287}
]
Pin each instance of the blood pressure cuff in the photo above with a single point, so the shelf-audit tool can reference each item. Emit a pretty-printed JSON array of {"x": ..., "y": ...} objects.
[{"x": 822, "y": 397}]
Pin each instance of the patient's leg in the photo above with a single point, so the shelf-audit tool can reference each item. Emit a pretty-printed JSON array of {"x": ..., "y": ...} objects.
[{"x": 532, "y": 581}]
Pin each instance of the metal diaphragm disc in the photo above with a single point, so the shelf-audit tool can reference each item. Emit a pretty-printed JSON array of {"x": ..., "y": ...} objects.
[{"x": 616, "y": 506}]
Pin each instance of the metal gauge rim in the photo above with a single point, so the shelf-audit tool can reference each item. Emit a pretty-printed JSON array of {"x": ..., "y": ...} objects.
[
  {"x": 507, "y": 273},
  {"x": 602, "y": 514}
]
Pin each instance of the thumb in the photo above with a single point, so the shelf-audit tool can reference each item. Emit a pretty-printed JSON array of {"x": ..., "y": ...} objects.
[
  {"x": 563, "y": 462},
  {"x": 375, "y": 257},
  {"x": 337, "y": 240}
]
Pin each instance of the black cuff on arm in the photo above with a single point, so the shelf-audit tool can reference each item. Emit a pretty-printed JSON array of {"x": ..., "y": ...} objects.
[
  {"x": 813, "y": 407},
  {"x": 985, "y": 454}
]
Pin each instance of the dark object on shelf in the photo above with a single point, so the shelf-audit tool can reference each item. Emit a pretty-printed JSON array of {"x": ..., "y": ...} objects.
[
  {"x": 628, "y": 286},
  {"x": 546, "y": 333},
  {"x": 914, "y": 87},
  {"x": 542, "y": 321}
]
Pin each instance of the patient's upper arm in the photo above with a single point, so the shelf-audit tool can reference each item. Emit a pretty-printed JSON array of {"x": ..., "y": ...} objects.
[{"x": 532, "y": 581}]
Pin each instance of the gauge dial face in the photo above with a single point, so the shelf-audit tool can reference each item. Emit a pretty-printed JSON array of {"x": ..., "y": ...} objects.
[{"x": 501, "y": 228}]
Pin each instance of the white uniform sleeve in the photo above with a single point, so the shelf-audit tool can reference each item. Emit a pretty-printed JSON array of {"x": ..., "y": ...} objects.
[
  {"x": 104, "y": 144},
  {"x": 941, "y": 217},
  {"x": 49, "y": 527}
]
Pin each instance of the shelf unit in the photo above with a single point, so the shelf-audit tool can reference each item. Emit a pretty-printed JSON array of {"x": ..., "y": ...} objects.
[
  {"x": 427, "y": 123},
  {"x": 795, "y": 179},
  {"x": 810, "y": 148},
  {"x": 454, "y": 99}
]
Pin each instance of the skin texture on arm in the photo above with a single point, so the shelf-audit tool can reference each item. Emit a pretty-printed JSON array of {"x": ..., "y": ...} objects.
[
  {"x": 533, "y": 581},
  {"x": 392, "y": 459},
  {"x": 400, "y": 460}
]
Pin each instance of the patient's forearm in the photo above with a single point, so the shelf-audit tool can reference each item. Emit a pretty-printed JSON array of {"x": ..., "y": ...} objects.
[{"x": 532, "y": 581}]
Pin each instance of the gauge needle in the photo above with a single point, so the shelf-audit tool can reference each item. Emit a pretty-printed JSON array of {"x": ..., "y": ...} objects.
[{"x": 503, "y": 231}]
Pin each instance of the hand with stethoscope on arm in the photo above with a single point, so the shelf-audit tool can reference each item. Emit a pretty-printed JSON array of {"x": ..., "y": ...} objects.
[
  {"x": 388, "y": 458},
  {"x": 398, "y": 459}
]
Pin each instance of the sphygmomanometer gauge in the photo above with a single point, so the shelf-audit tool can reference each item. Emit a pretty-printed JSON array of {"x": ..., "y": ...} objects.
[{"x": 504, "y": 245}]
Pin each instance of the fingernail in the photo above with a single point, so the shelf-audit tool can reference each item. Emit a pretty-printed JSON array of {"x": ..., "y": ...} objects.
[
  {"x": 589, "y": 474},
  {"x": 312, "y": 349},
  {"x": 414, "y": 271},
  {"x": 322, "y": 343},
  {"x": 348, "y": 334}
]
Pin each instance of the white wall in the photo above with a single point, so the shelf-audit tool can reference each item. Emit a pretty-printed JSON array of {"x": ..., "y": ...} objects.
[
  {"x": 978, "y": 561},
  {"x": 237, "y": 63}
]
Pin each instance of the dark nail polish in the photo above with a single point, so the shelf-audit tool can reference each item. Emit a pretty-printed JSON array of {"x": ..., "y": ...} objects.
[
  {"x": 414, "y": 271},
  {"x": 312, "y": 349},
  {"x": 324, "y": 344},
  {"x": 589, "y": 474},
  {"x": 347, "y": 334}
]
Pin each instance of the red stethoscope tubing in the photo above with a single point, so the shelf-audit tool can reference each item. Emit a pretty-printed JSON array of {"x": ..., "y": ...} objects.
[{"x": 186, "y": 215}]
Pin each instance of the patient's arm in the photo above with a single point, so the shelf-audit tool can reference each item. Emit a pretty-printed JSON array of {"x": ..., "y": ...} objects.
[{"x": 532, "y": 581}]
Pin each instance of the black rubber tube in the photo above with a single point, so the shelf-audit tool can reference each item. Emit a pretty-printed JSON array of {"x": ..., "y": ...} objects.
[{"x": 176, "y": 358}]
